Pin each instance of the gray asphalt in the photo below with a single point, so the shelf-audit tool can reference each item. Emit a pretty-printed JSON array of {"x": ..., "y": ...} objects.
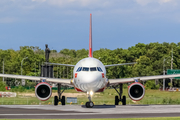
[{"x": 79, "y": 112}]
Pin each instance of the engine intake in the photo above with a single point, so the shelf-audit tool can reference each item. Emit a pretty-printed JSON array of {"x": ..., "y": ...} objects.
[
  {"x": 136, "y": 91},
  {"x": 43, "y": 91}
]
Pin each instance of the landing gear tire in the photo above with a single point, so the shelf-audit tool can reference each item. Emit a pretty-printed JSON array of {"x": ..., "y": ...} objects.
[
  {"x": 55, "y": 100},
  {"x": 59, "y": 98},
  {"x": 63, "y": 100},
  {"x": 120, "y": 97},
  {"x": 116, "y": 100},
  {"x": 124, "y": 100},
  {"x": 89, "y": 104}
]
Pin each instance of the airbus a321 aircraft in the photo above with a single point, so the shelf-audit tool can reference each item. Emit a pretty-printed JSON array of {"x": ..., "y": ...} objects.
[{"x": 89, "y": 76}]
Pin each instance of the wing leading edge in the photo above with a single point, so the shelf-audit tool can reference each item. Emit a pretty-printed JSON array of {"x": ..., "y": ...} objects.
[
  {"x": 145, "y": 78},
  {"x": 68, "y": 65},
  {"x": 54, "y": 80},
  {"x": 120, "y": 64}
]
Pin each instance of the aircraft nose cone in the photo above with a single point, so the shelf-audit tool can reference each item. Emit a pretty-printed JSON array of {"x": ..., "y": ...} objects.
[{"x": 90, "y": 77}]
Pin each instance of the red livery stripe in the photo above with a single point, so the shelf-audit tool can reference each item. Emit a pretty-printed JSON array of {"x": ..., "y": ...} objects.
[{"x": 78, "y": 90}]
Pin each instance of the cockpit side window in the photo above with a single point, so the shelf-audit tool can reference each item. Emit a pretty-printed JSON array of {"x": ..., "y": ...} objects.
[
  {"x": 79, "y": 69},
  {"x": 85, "y": 69},
  {"x": 99, "y": 69},
  {"x": 93, "y": 69}
]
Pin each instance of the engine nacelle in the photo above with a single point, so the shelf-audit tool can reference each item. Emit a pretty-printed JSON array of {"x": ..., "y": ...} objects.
[
  {"x": 43, "y": 91},
  {"x": 136, "y": 91}
]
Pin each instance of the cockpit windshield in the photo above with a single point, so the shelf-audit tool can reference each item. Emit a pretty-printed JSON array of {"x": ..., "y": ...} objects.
[
  {"x": 99, "y": 69},
  {"x": 85, "y": 69},
  {"x": 93, "y": 69},
  {"x": 79, "y": 69}
]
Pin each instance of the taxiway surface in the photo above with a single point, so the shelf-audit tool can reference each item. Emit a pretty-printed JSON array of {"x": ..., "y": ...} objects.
[{"x": 77, "y": 111}]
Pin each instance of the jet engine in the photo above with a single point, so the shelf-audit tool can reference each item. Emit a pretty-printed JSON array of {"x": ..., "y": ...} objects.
[
  {"x": 136, "y": 91},
  {"x": 43, "y": 91}
]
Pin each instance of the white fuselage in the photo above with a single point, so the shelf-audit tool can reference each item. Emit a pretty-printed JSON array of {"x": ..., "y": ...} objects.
[{"x": 89, "y": 75}]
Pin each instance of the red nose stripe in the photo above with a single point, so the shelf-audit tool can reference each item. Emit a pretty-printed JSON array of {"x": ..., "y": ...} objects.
[{"x": 78, "y": 90}]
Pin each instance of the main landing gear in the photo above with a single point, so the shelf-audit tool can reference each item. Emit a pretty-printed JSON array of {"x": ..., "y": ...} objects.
[
  {"x": 120, "y": 98},
  {"x": 89, "y": 104},
  {"x": 58, "y": 98}
]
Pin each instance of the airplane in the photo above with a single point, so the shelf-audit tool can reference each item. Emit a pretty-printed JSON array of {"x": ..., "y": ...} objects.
[{"x": 89, "y": 76}]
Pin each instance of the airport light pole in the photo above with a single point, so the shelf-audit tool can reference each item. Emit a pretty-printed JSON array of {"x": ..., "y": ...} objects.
[
  {"x": 21, "y": 69},
  {"x": 3, "y": 69},
  {"x": 171, "y": 66},
  {"x": 164, "y": 72}
]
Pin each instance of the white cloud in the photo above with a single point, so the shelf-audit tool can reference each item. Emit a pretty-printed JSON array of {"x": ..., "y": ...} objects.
[
  {"x": 8, "y": 20},
  {"x": 146, "y": 2},
  {"x": 78, "y": 3},
  {"x": 38, "y": 0},
  {"x": 164, "y": 1},
  {"x": 124, "y": 9},
  {"x": 143, "y": 2}
]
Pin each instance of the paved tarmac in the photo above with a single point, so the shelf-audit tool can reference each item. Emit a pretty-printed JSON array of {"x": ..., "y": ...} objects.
[{"x": 78, "y": 112}]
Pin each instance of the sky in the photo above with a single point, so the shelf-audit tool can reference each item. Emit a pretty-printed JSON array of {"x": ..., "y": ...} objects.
[{"x": 65, "y": 23}]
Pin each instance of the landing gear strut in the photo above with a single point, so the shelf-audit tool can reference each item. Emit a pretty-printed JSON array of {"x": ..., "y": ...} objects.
[
  {"x": 120, "y": 98},
  {"x": 89, "y": 104},
  {"x": 56, "y": 99}
]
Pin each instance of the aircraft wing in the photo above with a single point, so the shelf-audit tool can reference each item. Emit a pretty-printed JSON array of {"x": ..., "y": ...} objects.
[
  {"x": 135, "y": 79},
  {"x": 54, "y": 80},
  {"x": 120, "y": 64},
  {"x": 60, "y": 64}
]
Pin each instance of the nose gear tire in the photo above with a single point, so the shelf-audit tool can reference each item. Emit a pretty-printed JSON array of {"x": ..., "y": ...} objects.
[{"x": 89, "y": 104}]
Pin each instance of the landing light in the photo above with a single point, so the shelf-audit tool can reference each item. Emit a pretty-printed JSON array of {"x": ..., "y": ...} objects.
[{"x": 91, "y": 93}]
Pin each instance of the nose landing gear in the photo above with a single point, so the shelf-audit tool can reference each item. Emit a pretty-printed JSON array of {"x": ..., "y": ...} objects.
[{"x": 89, "y": 104}]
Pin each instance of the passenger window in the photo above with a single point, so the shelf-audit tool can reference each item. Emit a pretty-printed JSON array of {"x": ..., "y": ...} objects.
[
  {"x": 85, "y": 69},
  {"x": 93, "y": 69}
]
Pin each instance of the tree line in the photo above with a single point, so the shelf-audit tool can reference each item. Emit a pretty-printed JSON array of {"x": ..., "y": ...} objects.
[{"x": 149, "y": 58}]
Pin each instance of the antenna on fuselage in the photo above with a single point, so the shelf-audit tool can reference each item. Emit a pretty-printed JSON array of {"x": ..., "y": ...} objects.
[{"x": 90, "y": 37}]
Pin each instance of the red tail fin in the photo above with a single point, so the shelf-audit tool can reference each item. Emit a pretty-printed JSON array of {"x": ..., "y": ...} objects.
[{"x": 90, "y": 37}]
